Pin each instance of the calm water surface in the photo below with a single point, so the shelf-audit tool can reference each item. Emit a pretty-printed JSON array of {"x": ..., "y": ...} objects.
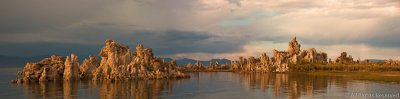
[{"x": 216, "y": 85}]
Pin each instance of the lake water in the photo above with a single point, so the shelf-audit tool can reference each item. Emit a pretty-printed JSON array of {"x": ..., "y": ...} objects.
[{"x": 215, "y": 85}]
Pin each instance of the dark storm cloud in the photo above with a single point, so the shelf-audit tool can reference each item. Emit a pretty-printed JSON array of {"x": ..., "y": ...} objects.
[
  {"x": 46, "y": 49},
  {"x": 173, "y": 42},
  {"x": 162, "y": 42},
  {"x": 27, "y": 16},
  {"x": 23, "y": 26}
]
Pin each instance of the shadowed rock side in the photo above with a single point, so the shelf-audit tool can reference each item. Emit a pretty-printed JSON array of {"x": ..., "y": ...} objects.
[
  {"x": 280, "y": 60},
  {"x": 117, "y": 63},
  {"x": 344, "y": 59}
]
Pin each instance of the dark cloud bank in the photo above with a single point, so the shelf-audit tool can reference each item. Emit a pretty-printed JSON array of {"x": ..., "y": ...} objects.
[{"x": 163, "y": 43}]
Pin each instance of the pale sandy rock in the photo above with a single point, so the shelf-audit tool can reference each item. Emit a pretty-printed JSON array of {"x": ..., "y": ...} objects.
[
  {"x": 250, "y": 64},
  {"x": 88, "y": 66},
  {"x": 294, "y": 47},
  {"x": 312, "y": 56},
  {"x": 48, "y": 69},
  {"x": 43, "y": 77},
  {"x": 189, "y": 65},
  {"x": 234, "y": 65},
  {"x": 242, "y": 62},
  {"x": 281, "y": 60},
  {"x": 264, "y": 59},
  {"x": 199, "y": 66},
  {"x": 71, "y": 70}
]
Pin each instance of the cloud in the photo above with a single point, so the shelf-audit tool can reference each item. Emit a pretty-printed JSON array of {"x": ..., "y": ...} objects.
[
  {"x": 163, "y": 42},
  {"x": 47, "y": 48},
  {"x": 236, "y": 2},
  {"x": 247, "y": 20},
  {"x": 180, "y": 28}
]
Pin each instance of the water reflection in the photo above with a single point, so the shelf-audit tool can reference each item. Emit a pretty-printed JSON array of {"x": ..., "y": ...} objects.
[
  {"x": 214, "y": 85},
  {"x": 292, "y": 85},
  {"x": 137, "y": 89}
]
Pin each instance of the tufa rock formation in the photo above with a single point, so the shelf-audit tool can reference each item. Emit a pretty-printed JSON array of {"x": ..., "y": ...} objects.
[
  {"x": 88, "y": 66},
  {"x": 280, "y": 60},
  {"x": 45, "y": 70},
  {"x": 294, "y": 47},
  {"x": 71, "y": 67},
  {"x": 344, "y": 59},
  {"x": 117, "y": 63},
  {"x": 198, "y": 66},
  {"x": 312, "y": 56}
]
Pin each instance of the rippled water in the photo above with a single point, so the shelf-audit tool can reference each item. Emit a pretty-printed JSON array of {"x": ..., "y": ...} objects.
[{"x": 217, "y": 85}]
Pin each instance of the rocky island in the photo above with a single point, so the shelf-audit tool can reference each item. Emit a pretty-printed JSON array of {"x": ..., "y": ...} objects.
[
  {"x": 117, "y": 63},
  {"x": 280, "y": 60},
  {"x": 296, "y": 59}
]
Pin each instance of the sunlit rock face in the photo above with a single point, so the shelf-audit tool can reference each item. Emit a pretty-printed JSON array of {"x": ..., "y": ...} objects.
[
  {"x": 214, "y": 66},
  {"x": 199, "y": 66},
  {"x": 294, "y": 47},
  {"x": 47, "y": 69},
  {"x": 189, "y": 65},
  {"x": 281, "y": 60},
  {"x": 312, "y": 56},
  {"x": 88, "y": 66},
  {"x": 117, "y": 63},
  {"x": 265, "y": 63},
  {"x": 309, "y": 56},
  {"x": 71, "y": 67},
  {"x": 114, "y": 57},
  {"x": 344, "y": 59}
]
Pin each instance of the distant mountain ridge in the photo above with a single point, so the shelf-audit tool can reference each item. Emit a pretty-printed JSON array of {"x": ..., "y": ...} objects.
[
  {"x": 15, "y": 61},
  {"x": 376, "y": 60},
  {"x": 184, "y": 61}
]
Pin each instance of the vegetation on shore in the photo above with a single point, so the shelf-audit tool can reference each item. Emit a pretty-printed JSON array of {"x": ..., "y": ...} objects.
[{"x": 354, "y": 67}]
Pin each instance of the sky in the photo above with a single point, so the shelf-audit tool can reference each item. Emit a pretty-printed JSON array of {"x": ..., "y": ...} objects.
[{"x": 201, "y": 29}]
